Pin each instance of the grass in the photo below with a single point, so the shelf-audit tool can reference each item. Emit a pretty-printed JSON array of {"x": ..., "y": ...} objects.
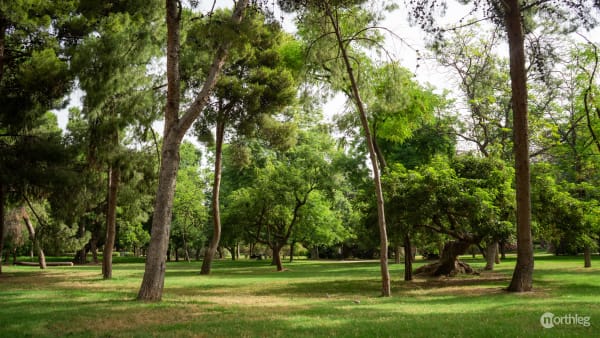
[{"x": 310, "y": 299}]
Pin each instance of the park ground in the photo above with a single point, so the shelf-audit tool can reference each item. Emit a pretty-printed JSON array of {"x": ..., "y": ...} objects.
[{"x": 247, "y": 298}]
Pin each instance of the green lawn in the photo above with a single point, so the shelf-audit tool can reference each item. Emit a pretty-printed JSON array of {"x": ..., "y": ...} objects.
[{"x": 324, "y": 298}]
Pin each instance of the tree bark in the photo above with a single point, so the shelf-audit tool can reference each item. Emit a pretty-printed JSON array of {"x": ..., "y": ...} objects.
[
  {"x": 277, "y": 257},
  {"x": 292, "y": 251},
  {"x": 210, "y": 253},
  {"x": 449, "y": 257},
  {"x": 522, "y": 279},
  {"x": 408, "y": 273},
  {"x": 490, "y": 256},
  {"x": 34, "y": 240},
  {"x": 2, "y": 218},
  {"x": 111, "y": 221},
  {"x": 174, "y": 130},
  {"x": 383, "y": 242},
  {"x": 397, "y": 254},
  {"x": 587, "y": 257}
]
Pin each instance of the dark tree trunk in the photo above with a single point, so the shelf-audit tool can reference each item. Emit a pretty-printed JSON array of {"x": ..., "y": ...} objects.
[
  {"x": 522, "y": 279},
  {"x": 277, "y": 257},
  {"x": 587, "y": 256},
  {"x": 292, "y": 251},
  {"x": 448, "y": 264},
  {"x": 490, "y": 256},
  {"x": 81, "y": 255},
  {"x": 2, "y": 218},
  {"x": 314, "y": 254},
  {"x": 383, "y": 241},
  {"x": 408, "y": 258},
  {"x": 216, "y": 188},
  {"x": 111, "y": 221}
]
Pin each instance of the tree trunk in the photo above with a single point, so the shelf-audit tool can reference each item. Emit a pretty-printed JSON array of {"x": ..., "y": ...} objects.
[
  {"x": 383, "y": 242},
  {"x": 490, "y": 256},
  {"x": 277, "y": 257},
  {"x": 587, "y": 257},
  {"x": 175, "y": 128},
  {"x": 522, "y": 279},
  {"x": 292, "y": 251},
  {"x": 111, "y": 221},
  {"x": 81, "y": 255},
  {"x": 314, "y": 254},
  {"x": 502, "y": 247},
  {"x": 448, "y": 263},
  {"x": 34, "y": 240},
  {"x": 408, "y": 275},
  {"x": 210, "y": 253},
  {"x": 2, "y": 218}
]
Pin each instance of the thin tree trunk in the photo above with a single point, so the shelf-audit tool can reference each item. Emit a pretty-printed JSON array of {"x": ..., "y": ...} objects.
[
  {"x": 80, "y": 256},
  {"x": 383, "y": 242},
  {"x": 292, "y": 251},
  {"x": 522, "y": 279},
  {"x": 111, "y": 221},
  {"x": 33, "y": 238},
  {"x": 397, "y": 254},
  {"x": 587, "y": 256},
  {"x": 2, "y": 218},
  {"x": 408, "y": 273},
  {"x": 210, "y": 253},
  {"x": 490, "y": 256},
  {"x": 502, "y": 248}
]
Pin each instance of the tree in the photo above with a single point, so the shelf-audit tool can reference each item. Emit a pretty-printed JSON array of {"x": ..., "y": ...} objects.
[
  {"x": 176, "y": 125},
  {"x": 463, "y": 198},
  {"x": 286, "y": 197},
  {"x": 334, "y": 26},
  {"x": 189, "y": 212},
  {"x": 33, "y": 79},
  {"x": 516, "y": 18},
  {"x": 256, "y": 81}
]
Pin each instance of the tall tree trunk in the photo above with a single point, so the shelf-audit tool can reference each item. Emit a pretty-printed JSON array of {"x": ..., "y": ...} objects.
[
  {"x": 587, "y": 257},
  {"x": 33, "y": 238},
  {"x": 522, "y": 279},
  {"x": 111, "y": 221},
  {"x": 397, "y": 253},
  {"x": 2, "y": 218},
  {"x": 214, "y": 243},
  {"x": 174, "y": 129},
  {"x": 408, "y": 258},
  {"x": 490, "y": 256},
  {"x": 502, "y": 249},
  {"x": 386, "y": 290}
]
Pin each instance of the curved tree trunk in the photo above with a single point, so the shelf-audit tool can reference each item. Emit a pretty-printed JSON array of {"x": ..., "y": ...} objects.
[
  {"x": 33, "y": 238},
  {"x": 214, "y": 244},
  {"x": 522, "y": 279},
  {"x": 277, "y": 257},
  {"x": 111, "y": 221},
  {"x": 449, "y": 265},
  {"x": 383, "y": 241}
]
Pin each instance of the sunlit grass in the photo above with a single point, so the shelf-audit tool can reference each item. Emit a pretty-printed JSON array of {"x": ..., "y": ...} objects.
[{"x": 324, "y": 298}]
